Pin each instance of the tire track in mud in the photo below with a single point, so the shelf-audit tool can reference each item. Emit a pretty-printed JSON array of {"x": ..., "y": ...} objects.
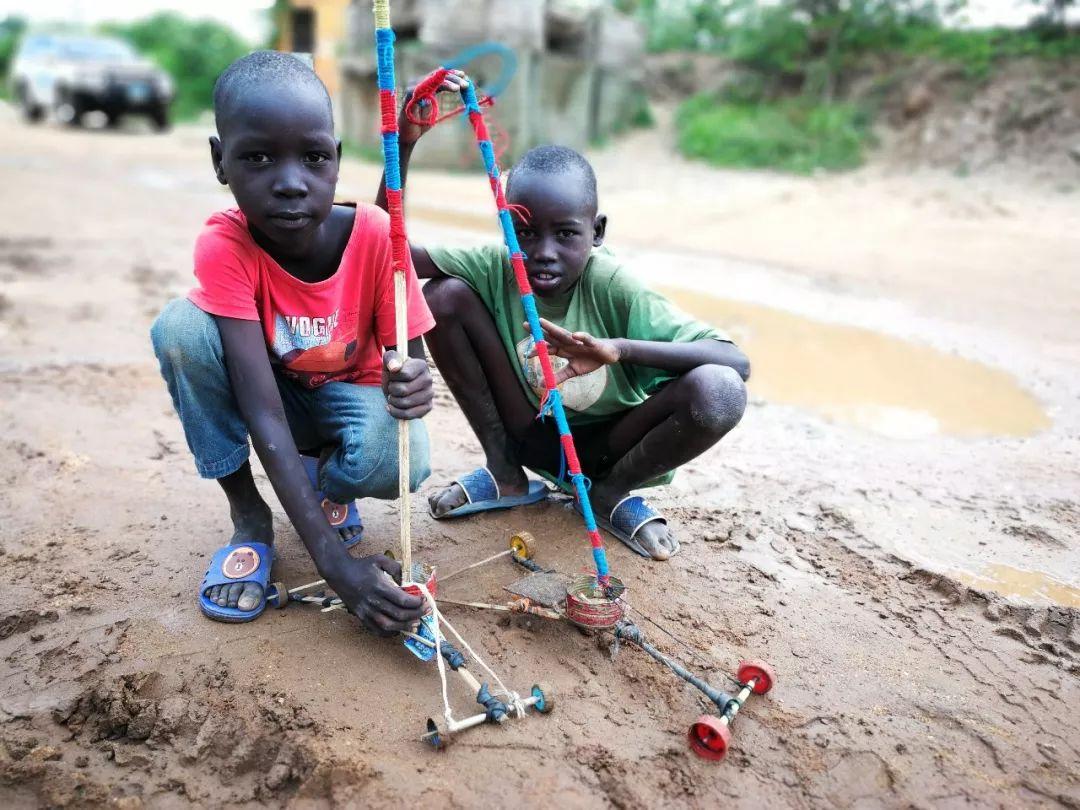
[{"x": 998, "y": 655}]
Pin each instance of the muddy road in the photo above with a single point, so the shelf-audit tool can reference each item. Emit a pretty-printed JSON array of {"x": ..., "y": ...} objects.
[{"x": 903, "y": 548}]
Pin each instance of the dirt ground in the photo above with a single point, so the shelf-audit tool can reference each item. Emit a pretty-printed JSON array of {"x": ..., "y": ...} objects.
[{"x": 835, "y": 551}]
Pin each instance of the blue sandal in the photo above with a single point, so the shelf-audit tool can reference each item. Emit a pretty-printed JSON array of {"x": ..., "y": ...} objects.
[
  {"x": 482, "y": 493},
  {"x": 626, "y": 520},
  {"x": 340, "y": 515},
  {"x": 248, "y": 562}
]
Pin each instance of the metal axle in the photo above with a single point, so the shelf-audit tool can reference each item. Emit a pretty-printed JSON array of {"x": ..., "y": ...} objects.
[{"x": 631, "y": 632}]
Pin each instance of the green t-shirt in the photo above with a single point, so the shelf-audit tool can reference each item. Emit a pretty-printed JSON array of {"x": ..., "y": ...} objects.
[{"x": 607, "y": 302}]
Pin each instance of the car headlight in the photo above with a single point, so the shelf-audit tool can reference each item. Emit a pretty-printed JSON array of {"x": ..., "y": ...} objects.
[
  {"x": 91, "y": 81},
  {"x": 164, "y": 84}
]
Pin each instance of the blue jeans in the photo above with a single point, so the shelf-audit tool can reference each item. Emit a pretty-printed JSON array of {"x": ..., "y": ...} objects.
[{"x": 351, "y": 419}]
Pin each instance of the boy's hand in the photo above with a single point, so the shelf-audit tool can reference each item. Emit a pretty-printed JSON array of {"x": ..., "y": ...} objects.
[
  {"x": 369, "y": 589},
  {"x": 408, "y": 132},
  {"x": 585, "y": 352},
  {"x": 407, "y": 386}
]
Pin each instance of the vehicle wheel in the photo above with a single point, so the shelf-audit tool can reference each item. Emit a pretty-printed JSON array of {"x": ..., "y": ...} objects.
[
  {"x": 546, "y": 694},
  {"x": 437, "y": 736},
  {"x": 709, "y": 738},
  {"x": 32, "y": 113},
  {"x": 68, "y": 110},
  {"x": 523, "y": 544},
  {"x": 160, "y": 118}
]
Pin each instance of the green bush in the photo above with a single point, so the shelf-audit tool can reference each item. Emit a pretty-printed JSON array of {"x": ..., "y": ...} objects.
[
  {"x": 194, "y": 52},
  {"x": 11, "y": 30},
  {"x": 791, "y": 135}
]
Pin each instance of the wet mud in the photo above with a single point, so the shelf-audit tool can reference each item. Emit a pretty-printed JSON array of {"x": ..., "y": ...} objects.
[{"x": 821, "y": 546}]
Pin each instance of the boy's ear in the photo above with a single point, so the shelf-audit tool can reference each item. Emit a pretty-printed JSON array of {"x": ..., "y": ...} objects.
[
  {"x": 599, "y": 226},
  {"x": 216, "y": 159}
]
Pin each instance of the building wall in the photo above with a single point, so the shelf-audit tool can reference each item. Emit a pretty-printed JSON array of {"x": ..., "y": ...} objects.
[{"x": 329, "y": 38}]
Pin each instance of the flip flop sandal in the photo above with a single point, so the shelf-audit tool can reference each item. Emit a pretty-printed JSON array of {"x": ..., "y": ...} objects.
[
  {"x": 626, "y": 520},
  {"x": 482, "y": 492},
  {"x": 247, "y": 562},
  {"x": 340, "y": 515}
]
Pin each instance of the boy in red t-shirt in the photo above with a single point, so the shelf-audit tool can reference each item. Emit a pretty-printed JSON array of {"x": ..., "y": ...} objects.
[{"x": 288, "y": 337}]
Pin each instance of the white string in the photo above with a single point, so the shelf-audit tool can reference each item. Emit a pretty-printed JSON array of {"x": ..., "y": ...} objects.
[
  {"x": 515, "y": 699},
  {"x": 438, "y": 652}
]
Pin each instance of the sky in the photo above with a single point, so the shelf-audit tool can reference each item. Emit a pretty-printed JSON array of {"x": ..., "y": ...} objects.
[{"x": 249, "y": 19}]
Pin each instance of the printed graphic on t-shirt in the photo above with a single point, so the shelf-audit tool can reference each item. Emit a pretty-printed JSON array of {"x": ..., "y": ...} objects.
[
  {"x": 305, "y": 345},
  {"x": 578, "y": 393}
]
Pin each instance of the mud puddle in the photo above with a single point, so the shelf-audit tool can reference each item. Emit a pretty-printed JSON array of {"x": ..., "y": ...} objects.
[
  {"x": 874, "y": 381},
  {"x": 1018, "y": 583}
]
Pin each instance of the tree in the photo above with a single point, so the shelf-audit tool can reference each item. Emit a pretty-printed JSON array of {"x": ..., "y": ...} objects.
[
  {"x": 194, "y": 52},
  {"x": 1054, "y": 13},
  {"x": 11, "y": 30}
]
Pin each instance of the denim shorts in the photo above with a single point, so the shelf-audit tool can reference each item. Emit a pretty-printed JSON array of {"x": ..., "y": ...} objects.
[{"x": 350, "y": 419}]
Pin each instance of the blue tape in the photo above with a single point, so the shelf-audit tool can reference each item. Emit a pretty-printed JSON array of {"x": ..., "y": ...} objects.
[
  {"x": 509, "y": 234},
  {"x": 468, "y": 95},
  {"x": 392, "y": 161},
  {"x": 583, "y": 501},
  {"x": 384, "y": 57},
  {"x": 600, "y": 558},
  {"x": 532, "y": 316},
  {"x": 487, "y": 152}
]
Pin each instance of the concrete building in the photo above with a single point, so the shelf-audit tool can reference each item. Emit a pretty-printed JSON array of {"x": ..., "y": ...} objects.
[{"x": 577, "y": 67}]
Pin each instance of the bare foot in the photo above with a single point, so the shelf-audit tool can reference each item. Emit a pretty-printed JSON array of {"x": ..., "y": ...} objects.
[
  {"x": 255, "y": 524},
  {"x": 451, "y": 497}
]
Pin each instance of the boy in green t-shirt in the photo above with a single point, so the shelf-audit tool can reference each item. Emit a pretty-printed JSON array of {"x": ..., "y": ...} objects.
[{"x": 646, "y": 387}]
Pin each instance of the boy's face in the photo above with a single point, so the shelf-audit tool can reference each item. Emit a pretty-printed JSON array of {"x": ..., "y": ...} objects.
[
  {"x": 562, "y": 230},
  {"x": 278, "y": 155}
]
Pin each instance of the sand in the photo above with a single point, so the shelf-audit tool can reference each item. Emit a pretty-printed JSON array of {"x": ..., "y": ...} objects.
[{"x": 870, "y": 565}]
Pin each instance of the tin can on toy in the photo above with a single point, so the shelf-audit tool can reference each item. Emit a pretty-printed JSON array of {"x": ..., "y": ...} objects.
[
  {"x": 427, "y": 627},
  {"x": 592, "y": 607},
  {"x": 422, "y": 573}
]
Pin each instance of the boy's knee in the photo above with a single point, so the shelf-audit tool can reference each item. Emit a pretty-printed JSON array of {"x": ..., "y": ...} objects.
[
  {"x": 369, "y": 468},
  {"x": 716, "y": 397},
  {"x": 447, "y": 298},
  {"x": 183, "y": 334}
]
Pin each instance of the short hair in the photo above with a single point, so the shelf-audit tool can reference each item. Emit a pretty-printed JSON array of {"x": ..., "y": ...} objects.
[
  {"x": 261, "y": 69},
  {"x": 556, "y": 160}
]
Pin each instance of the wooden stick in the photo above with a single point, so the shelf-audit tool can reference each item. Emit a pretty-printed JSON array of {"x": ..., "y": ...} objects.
[
  {"x": 477, "y": 564},
  {"x": 482, "y": 605},
  {"x": 401, "y": 314}
]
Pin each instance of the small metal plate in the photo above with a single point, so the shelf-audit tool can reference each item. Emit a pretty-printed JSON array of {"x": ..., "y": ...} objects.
[{"x": 548, "y": 589}]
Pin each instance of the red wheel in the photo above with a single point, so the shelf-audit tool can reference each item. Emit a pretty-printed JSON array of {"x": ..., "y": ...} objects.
[
  {"x": 709, "y": 737},
  {"x": 753, "y": 668}
]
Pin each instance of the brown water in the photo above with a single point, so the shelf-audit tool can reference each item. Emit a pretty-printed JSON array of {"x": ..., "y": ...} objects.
[
  {"x": 868, "y": 379},
  {"x": 1016, "y": 582}
]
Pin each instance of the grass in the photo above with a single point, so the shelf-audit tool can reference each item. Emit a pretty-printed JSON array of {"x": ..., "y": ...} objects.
[{"x": 790, "y": 135}]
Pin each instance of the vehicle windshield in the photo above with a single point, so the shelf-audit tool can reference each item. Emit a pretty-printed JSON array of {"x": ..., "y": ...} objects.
[{"x": 92, "y": 49}]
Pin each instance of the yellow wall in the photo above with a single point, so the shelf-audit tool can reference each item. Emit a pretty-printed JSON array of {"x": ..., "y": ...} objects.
[{"x": 329, "y": 37}]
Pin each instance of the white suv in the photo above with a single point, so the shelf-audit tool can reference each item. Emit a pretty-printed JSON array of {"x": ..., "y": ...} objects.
[{"x": 73, "y": 75}]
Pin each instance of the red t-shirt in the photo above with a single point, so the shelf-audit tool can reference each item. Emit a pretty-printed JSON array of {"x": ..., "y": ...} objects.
[{"x": 334, "y": 329}]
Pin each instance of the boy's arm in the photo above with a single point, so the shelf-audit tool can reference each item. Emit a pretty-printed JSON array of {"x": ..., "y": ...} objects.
[
  {"x": 587, "y": 353},
  {"x": 422, "y": 263},
  {"x": 362, "y": 584},
  {"x": 682, "y": 357},
  {"x": 408, "y": 134}
]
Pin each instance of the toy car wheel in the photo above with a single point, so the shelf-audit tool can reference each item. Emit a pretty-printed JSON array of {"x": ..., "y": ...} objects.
[
  {"x": 753, "y": 668},
  {"x": 277, "y": 595},
  {"x": 523, "y": 544},
  {"x": 436, "y": 736},
  {"x": 709, "y": 738},
  {"x": 545, "y": 697}
]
